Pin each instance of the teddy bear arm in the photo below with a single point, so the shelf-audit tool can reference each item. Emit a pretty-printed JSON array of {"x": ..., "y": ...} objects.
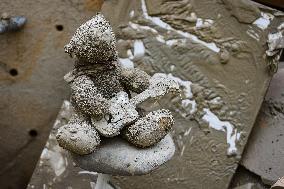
[
  {"x": 86, "y": 98},
  {"x": 135, "y": 79}
]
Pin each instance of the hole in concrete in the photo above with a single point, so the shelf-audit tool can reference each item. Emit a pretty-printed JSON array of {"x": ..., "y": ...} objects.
[
  {"x": 13, "y": 72},
  {"x": 282, "y": 57},
  {"x": 33, "y": 133},
  {"x": 59, "y": 27}
]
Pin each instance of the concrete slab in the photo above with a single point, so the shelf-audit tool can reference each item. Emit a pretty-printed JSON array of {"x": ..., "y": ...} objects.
[
  {"x": 218, "y": 62},
  {"x": 264, "y": 154}
]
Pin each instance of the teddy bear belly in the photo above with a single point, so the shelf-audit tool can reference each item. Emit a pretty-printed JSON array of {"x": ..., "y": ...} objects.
[{"x": 108, "y": 85}]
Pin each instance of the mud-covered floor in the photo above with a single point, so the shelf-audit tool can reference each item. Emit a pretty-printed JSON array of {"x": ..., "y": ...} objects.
[{"x": 56, "y": 170}]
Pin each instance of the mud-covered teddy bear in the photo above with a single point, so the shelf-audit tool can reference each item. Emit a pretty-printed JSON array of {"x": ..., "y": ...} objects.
[{"x": 105, "y": 95}]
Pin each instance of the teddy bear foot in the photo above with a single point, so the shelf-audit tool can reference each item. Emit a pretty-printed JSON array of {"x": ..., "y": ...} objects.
[
  {"x": 78, "y": 136},
  {"x": 149, "y": 130}
]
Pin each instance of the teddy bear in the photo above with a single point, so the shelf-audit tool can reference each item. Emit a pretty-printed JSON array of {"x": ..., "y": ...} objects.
[{"x": 105, "y": 95}]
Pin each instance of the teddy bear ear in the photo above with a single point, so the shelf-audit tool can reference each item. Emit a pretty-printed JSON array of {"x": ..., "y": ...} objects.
[{"x": 68, "y": 49}]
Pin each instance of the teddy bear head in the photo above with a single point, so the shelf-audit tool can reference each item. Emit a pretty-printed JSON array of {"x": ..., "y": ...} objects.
[{"x": 93, "y": 42}]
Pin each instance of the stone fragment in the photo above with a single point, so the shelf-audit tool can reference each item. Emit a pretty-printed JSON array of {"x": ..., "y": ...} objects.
[
  {"x": 279, "y": 184},
  {"x": 243, "y": 10},
  {"x": 116, "y": 156},
  {"x": 149, "y": 130},
  {"x": 78, "y": 136},
  {"x": 224, "y": 56}
]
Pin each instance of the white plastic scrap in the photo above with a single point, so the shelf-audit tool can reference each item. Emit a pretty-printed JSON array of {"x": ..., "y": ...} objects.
[{"x": 264, "y": 21}]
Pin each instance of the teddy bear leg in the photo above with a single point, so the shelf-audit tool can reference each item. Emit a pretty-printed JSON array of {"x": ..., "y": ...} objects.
[
  {"x": 78, "y": 136},
  {"x": 149, "y": 130}
]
